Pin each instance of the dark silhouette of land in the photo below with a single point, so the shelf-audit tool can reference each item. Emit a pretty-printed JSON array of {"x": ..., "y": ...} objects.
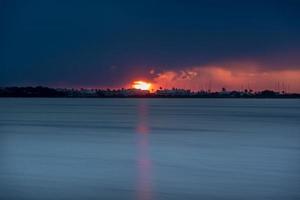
[{"x": 129, "y": 93}]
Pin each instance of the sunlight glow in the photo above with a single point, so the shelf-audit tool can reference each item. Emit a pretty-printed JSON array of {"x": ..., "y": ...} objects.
[{"x": 141, "y": 85}]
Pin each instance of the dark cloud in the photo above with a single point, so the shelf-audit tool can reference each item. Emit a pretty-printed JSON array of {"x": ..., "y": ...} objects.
[{"x": 107, "y": 43}]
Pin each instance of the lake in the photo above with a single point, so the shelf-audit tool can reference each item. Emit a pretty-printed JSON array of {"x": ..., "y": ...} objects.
[{"x": 148, "y": 149}]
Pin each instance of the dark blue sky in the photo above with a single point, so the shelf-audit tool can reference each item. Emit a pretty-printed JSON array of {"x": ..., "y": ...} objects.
[{"x": 107, "y": 43}]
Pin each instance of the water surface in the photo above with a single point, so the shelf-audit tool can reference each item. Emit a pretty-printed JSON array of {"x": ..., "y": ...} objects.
[{"x": 147, "y": 149}]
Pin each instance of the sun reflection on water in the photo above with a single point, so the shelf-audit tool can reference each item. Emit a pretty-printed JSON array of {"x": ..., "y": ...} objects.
[{"x": 144, "y": 164}]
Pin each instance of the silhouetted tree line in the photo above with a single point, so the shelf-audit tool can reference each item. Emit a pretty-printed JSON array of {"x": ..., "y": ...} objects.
[
  {"x": 173, "y": 93},
  {"x": 30, "y": 92}
]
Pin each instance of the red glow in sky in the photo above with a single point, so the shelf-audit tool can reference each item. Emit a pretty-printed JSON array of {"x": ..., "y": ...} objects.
[{"x": 234, "y": 78}]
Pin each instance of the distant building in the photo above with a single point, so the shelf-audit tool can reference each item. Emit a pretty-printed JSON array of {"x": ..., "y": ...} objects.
[
  {"x": 133, "y": 92},
  {"x": 173, "y": 92}
]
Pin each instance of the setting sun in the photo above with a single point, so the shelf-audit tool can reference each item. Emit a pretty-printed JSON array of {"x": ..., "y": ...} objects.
[{"x": 141, "y": 85}]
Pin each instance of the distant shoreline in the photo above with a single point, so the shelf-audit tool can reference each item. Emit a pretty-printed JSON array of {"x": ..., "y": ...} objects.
[
  {"x": 45, "y": 92},
  {"x": 132, "y": 97}
]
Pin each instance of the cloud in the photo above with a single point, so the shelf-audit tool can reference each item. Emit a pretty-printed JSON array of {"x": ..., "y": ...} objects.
[
  {"x": 108, "y": 44},
  {"x": 233, "y": 76}
]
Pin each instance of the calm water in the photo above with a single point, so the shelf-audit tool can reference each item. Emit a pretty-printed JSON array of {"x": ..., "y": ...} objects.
[{"x": 147, "y": 149}]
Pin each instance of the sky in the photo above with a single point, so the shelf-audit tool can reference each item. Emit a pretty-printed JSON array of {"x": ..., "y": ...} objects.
[{"x": 170, "y": 43}]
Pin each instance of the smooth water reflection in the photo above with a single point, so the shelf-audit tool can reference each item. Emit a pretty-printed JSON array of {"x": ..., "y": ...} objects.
[
  {"x": 149, "y": 149},
  {"x": 144, "y": 188}
]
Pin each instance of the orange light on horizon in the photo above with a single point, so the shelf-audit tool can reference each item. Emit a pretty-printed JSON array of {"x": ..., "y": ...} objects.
[{"x": 141, "y": 85}]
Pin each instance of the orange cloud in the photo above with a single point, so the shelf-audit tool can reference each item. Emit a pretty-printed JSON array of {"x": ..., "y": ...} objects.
[{"x": 237, "y": 76}]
